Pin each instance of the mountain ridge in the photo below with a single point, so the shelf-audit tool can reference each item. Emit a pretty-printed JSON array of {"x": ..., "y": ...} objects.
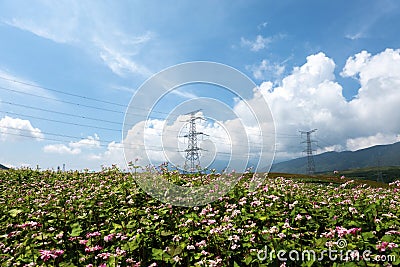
[
  {"x": 2, "y": 167},
  {"x": 374, "y": 156}
]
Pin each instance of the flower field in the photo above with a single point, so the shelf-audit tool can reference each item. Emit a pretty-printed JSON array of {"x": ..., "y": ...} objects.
[{"x": 104, "y": 219}]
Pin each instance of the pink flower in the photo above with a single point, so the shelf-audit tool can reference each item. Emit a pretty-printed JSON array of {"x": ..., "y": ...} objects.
[
  {"x": 281, "y": 235},
  {"x": 341, "y": 231},
  {"x": 353, "y": 231},
  {"x": 58, "y": 252},
  {"x": 104, "y": 255},
  {"x": 109, "y": 237},
  {"x": 83, "y": 242},
  {"x": 93, "y": 234},
  {"x": 382, "y": 246},
  {"x": 201, "y": 244},
  {"x": 120, "y": 252},
  {"x": 92, "y": 249},
  {"x": 45, "y": 255}
]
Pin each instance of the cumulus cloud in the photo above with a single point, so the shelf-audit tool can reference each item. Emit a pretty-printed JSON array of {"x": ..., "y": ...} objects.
[
  {"x": 378, "y": 139},
  {"x": 114, "y": 155},
  {"x": 61, "y": 149},
  {"x": 74, "y": 148},
  {"x": 13, "y": 129},
  {"x": 311, "y": 98},
  {"x": 238, "y": 140}
]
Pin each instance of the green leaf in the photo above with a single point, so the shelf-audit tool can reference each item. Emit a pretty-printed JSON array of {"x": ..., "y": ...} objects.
[
  {"x": 248, "y": 259},
  {"x": 15, "y": 212},
  {"x": 166, "y": 233},
  {"x": 76, "y": 229}
]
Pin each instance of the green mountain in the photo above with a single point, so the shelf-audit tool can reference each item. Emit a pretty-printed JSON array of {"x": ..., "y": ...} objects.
[
  {"x": 376, "y": 156},
  {"x": 2, "y": 167}
]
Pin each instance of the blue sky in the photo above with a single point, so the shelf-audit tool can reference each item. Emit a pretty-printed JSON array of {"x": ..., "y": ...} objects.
[{"x": 105, "y": 50}]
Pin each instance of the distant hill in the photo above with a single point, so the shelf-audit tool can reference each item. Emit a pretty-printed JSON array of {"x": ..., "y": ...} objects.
[
  {"x": 2, "y": 167},
  {"x": 381, "y": 155}
]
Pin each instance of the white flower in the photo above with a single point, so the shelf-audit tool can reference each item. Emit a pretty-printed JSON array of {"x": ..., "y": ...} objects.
[{"x": 177, "y": 259}]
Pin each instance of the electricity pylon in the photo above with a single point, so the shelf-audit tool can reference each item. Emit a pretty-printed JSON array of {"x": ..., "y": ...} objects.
[
  {"x": 192, "y": 159},
  {"x": 309, "y": 150}
]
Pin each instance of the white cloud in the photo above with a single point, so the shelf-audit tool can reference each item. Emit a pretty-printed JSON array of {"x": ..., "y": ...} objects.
[
  {"x": 114, "y": 155},
  {"x": 61, "y": 149},
  {"x": 89, "y": 31},
  {"x": 259, "y": 43},
  {"x": 267, "y": 70},
  {"x": 56, "y": 23},
  {"x": 89, "y": 142},
  {"x": 262, "y": 25},
  {"x": 311, "y": 98},
  {"x": 355, "y": 36},
  {"x": 74, "y": 148},
  {"x": 13, "y": 129},
  {"x": 159, "y": 141},
  {"x": 118, "y": 58},
  {"x": 378, "y": 139},
  {"x": 9, "y": 81},
  {"x": 184, "y": 94}
]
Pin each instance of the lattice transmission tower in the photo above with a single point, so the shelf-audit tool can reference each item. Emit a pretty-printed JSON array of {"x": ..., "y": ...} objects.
[
  {"x": 192, "y": 159},
  {"x": 309, "y": 150}
]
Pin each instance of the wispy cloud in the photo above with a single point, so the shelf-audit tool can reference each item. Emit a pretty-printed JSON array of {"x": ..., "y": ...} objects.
[
  {"x": 355, "y": 36},
  {"x": 39, "y": 30},
  {"x": 119, "y": 63},
  {"x": 260, "y": 42},
  {"x": 184, "y": 94},
  {"x": 268, "y": 70},
  {"x": 9, "y": 81},
  {"x": 256, "y": 45},
  {"x": 262, "y": 25},
  {"x": 367, "y": 19},
  {"x": 87, "y": 31}
]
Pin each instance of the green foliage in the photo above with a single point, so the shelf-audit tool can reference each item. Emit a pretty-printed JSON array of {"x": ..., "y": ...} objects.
[{"x": 104, "y": 218}]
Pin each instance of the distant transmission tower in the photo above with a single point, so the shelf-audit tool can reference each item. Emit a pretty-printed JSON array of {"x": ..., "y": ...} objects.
[
  {"x": 192, "y": 159},
  {"x": 309, "y": 150}
]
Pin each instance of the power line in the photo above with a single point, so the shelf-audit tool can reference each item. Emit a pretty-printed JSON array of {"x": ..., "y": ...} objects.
[
  {"x": 59, "y": 100},
  {"x": 58, "y": 121},
  {"x": 74, "y": 95},
  {"x": 92, "y": 107},
  {"x": 88, "y": 106},
  {"x": 58, "y": 112},
  {"x": 62, "y": 92},
  {"x": 100, "y": 144}
]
